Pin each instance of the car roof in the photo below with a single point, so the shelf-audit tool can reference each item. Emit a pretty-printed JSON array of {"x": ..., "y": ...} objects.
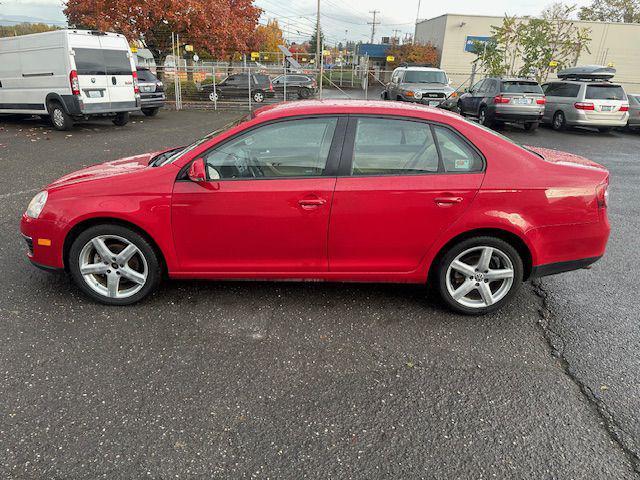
[
  {"x": 337, "y": 106},
  {"x": 422, "y": 69},
  {"x": 516, "y": 79}
]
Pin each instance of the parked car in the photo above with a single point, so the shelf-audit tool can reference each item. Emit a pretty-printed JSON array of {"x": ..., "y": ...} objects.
[
  {"x": 237, "y": 86},
  {"x": 426, "y": 85},
  {"x": 495, "y": 100},
  {"x": 336, "y": 191},
  {"x": 68, "y": 75},
  {"x": 152, "y": 95},
  {"x": 634, "y": 111},
  {"x": 585, "y": 97},
  {"x": 304, "y": 86}
]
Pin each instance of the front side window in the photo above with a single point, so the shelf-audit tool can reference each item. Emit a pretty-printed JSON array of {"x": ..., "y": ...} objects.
[
  {"x": 457, "y": 155},
  {"x": 386, "y": 146},
  {"x": 293, "y": 148}
]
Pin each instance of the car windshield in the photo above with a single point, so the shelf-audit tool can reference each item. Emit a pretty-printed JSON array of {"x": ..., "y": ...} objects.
[
  {"x": 423, "y": 76},
  {"x": 521, "y": 87},
  {"x": 605, "y": 92},
  {"x": 173, "y": 155}
]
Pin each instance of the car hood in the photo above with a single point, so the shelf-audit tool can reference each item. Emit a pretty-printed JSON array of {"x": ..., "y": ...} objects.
[
  {"x": 558, "y": 156},
  {"x": 123, "y": 166}
]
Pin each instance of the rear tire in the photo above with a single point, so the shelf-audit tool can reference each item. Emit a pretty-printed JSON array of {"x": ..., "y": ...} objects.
[
  {"x": 531, "y": 126},
  {"x": 304, "y": 93},
  {"x": 151, "y": 112},
  {"x": 143, "y": 265},
  {"x": 258, "y": 96},
  {"x": 479, "y": 275},
  {"x": 60, "y": 119},
  {"x": 559, "y": 121},
  {"x": 121, "y": 119}
]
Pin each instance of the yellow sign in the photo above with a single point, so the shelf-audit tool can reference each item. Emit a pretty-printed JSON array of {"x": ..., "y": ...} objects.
[
  {"x": 610, "y": 65},
  {"x": 326, "y": 53},
  {"x": 134, "y": 49},
  {"x": 266, "y": 57},
  {"x": 391, "y": 58},
  {"x": 188, "y": 48},
  {"x": 255, "y": 55},
  {"x": 553, "y": 64},
  {"x": 304, "y": 59}
]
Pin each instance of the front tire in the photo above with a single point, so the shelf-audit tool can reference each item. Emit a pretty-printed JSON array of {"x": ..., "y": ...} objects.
[
  {"x": 483, "y": 118},
  {"x": 60, "y": 119},
  {"x": 258, "y": 96},
  {"x": 121, "y": 119},
  {"x": 479, "y": 275},
  {"x": 114, "y": 265},
  {"x": 304, "y": 93}
]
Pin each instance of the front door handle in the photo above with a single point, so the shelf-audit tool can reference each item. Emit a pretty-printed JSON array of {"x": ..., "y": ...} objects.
[
  {"x": 447, "y": 201},
  {"x": 309, "y": 203}
]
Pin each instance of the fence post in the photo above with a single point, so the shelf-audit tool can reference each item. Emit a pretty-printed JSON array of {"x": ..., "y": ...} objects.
[
  {"x": 215, "y": 94},
  {"x": 284, "y": 73},
  {"x": 249, "y": 83}
]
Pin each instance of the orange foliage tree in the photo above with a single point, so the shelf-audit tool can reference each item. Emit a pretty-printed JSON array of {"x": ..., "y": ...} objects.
[
  {"x": 219, "y": 27},
  {"x": 270, "y": 36},
  {"x": 414, "y": 53}
]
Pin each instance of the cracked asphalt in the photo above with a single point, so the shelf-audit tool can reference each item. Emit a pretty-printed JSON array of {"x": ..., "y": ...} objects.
[{"x": 289, "y": 380}]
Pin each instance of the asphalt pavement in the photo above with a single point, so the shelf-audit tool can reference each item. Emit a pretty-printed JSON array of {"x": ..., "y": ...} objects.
[{"x": 312, "y": 380}]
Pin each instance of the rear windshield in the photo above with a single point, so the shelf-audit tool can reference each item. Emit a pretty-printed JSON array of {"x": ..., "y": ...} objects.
[
  {"x": 98, "y": 61},
  {"x": 146, "y": 76},
  {"x": 521, "y": 87},
  {"x": 605, "y": 92}
]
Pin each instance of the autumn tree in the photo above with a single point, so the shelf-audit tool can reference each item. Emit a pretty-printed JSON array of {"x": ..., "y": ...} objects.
[
  {"x": 627, "y": 11},
  {"x": 25, "y": 29},
  {"x": 219, "y": 27},
  {"x": 413, "y": 53},
  {"x": 270, "y": 36}
]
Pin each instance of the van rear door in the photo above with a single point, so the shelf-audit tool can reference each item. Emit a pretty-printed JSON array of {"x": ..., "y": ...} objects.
[
  {"x": 92, "y": 79},
  {"x": 120, "y": 68},
  {"x": 607, "y": 100}
]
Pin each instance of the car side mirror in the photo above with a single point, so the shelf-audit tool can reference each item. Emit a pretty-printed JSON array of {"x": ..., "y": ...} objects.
[{"x": 197, "y": 172}]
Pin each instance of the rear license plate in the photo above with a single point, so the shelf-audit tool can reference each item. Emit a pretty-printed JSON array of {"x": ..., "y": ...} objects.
[
  {"x": 434, "y": 103},
  {"x": 94, "y": 94},
  {"x": 606, "y": 108},
  {"x": 522, "y": 101},
  {"x": 146, "y": 89}
]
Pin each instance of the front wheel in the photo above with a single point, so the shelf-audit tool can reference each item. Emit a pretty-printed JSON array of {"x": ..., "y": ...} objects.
[
  {"x": 114, "y": 265},
  {"x": 258, "y": 96},
  {"x": 483, "y": 118},
  {"x": 121, "y": 119},
  {"x": 304, "y": 93},
  {"x": 479, "y": 275}
]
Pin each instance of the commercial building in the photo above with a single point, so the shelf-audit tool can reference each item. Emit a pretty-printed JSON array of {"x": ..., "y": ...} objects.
[{"x": 453, "y": 35}]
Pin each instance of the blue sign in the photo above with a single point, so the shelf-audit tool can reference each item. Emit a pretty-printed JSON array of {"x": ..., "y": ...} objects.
[{"x": 469, "y": 45}]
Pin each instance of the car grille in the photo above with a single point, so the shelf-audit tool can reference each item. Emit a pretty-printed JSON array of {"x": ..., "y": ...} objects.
[
  {"x": 29, "y": 242},
  {"x": 433, "y": 95}
]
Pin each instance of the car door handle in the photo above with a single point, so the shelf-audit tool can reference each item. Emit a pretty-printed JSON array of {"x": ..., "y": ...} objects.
[
  {"x": 447, "y": 201},
  {"x": 309, "y": 203}
]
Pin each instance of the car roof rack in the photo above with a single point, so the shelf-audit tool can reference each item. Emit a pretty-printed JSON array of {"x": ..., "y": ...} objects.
[
  {"x": 405, "y": 64},
  {"x": 588, "y": 73}
]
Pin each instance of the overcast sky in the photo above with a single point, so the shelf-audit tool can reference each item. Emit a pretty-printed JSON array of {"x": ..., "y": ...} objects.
[{"x": 340, "y": 18}]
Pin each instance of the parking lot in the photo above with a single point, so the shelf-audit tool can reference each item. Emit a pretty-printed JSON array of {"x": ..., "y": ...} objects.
[{"x": 313, "y": 380}]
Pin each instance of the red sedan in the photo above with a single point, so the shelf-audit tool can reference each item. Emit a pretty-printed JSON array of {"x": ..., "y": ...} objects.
[{"x": 328, "y": 190}]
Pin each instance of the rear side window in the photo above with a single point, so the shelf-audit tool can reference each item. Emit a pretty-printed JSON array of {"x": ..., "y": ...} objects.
[
  {"x": 457, "y": 155},
  {"x": 521, "y": 87},
  {"x": 393, "y": 147},
  {"x": 562, "y": 90},
  {"x": 605, "y": 92}
]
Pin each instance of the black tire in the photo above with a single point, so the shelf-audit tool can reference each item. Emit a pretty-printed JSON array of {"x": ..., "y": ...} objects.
[
  {"x": 442, "y": 270},
  {"x": 60, "y": 119},
  {"x": 531, "y": 126},
  {"x": 304, "y": 92},
  {"x": 121, "y": 119},
  {"x": 460, "y": 110},
  {"x": 605, "y": 129},
  {"x": 484, "y": 117},
  {"x": 559, "y": 121},
  {"x": 151, "y": 112},
  {"x": 154, "y": 269},
  {"x": 385, "y": 95}
]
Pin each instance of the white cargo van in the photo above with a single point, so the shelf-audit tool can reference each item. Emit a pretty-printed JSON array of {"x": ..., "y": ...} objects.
[{"x": 68, "y": 74}]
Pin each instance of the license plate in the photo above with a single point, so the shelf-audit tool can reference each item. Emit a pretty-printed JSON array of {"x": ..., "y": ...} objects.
[
  {"x": 434, "y": 103},
  {"x": 521, "y": 101},
  {"x": 95, "y": 94},
  {"x": 146, "y": 89},
  {"x": 606, "y": 108}
]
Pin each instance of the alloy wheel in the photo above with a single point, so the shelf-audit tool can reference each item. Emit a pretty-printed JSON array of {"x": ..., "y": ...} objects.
[
  {"x": 483, "y": 117},
  {"x": 213, "y": 96},
  {"x": 558, "y": 121},
  {"x": 258, "y": 97},
  {"x": 113, "y": 267},
  {"x": 480, "y": 277}
]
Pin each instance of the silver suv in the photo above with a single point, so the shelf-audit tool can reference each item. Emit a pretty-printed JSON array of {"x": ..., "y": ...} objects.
[
  {"x": 426, "y": 85},
  {"x": 600, "y": 104}
]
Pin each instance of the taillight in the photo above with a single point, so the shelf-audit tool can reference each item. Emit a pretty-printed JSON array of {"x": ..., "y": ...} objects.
[
  {"x": 584, "y": 106},
  {"x": 541, "y": 101},
  {"x": 624, "y": 108},
  {"x": 270, "y": 87},
  {"x": 501, "y": 99},
  {"x": 602, "y": 194},
  {"x": 75, "y": 84},
  {"x": 136, "y": 89}
]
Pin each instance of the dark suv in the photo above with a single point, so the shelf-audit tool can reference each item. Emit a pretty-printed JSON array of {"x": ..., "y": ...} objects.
[
  {"x": 237, "y": 86},
  {"x": 495, "y": 101},
  {"x": 152, "y": 96},
  {"x": 303, "y": 85}
]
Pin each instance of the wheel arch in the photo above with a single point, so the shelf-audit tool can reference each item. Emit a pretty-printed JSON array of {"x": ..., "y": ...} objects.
[
  {"x": 80, "y": 227},
  {"x": 511, "y": 238}
]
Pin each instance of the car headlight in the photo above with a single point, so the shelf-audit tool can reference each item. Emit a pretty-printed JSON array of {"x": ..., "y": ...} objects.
[
  {"x": 417, "y": 95},
  {"x": 37, "y": 204}
]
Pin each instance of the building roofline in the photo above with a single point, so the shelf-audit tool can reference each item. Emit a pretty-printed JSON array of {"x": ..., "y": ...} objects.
[{"x": 577, "y": 20}]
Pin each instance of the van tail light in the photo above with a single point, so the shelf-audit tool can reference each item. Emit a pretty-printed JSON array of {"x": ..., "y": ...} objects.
[
  {"x": 75, "y": 84},
  {"x": 602, "y": 194},
  {"x": 501, "y": 99},
  {"x": 541, "y": 101},
  {"x": 584, "y": 106},
  {"x": 624, "y": 108},
  {"x": 136, "y": 89}
]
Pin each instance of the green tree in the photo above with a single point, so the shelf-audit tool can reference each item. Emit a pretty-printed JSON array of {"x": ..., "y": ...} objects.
[
  {"x": 627, "y": 11},
  {"x": 25, "y": 29},
  {"x": 314, "y": 40}
]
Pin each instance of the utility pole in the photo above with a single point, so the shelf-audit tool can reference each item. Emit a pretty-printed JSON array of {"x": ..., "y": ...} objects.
[
  {"x": 395, "y": 39},
  {"x": 318, "y": 46},
  {"x": 418, "y": 12},
  {"x": 373, "y": 23}
]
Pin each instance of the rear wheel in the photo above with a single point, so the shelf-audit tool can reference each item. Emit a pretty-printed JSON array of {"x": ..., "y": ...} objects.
[
  {"x": 531, "y": 126},
  {"x": 559, "y": 121},
  {"x": 479, "y": 275},
  {"x": 213, "y": 96},
  {"x": 60, "y": 119},
  {"x": 121, "y": 119},
  {"x": 304, "y": 92},
  {"x": 151, "y": 112},
  {"x": 114, "y": 265},
  {"x": 258, "y": 96}
]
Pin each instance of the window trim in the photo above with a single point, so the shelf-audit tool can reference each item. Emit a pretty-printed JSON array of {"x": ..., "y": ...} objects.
[
  {"x": 346, "y": 159},
  {"x": 333, "y": 156}
]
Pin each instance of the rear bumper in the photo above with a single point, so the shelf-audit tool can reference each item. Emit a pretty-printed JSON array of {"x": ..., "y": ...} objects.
[
  {"x": 109, "y": 107},
  {"x": 151, "y": 101},
  {"x": 562, "y": 267},
  {"x": 581, "y": 119}
]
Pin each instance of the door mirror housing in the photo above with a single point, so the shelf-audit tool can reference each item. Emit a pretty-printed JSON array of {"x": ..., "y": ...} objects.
[{"x": 197, "y": 172}]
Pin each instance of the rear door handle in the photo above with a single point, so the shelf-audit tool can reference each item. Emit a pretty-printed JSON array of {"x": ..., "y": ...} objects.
[
  {"x": 447, "y": 201},
  {"x": 309, "y": 203}
]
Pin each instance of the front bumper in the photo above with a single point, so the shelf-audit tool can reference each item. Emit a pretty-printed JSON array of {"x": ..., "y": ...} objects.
[{"x": 44, "y": 242}]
